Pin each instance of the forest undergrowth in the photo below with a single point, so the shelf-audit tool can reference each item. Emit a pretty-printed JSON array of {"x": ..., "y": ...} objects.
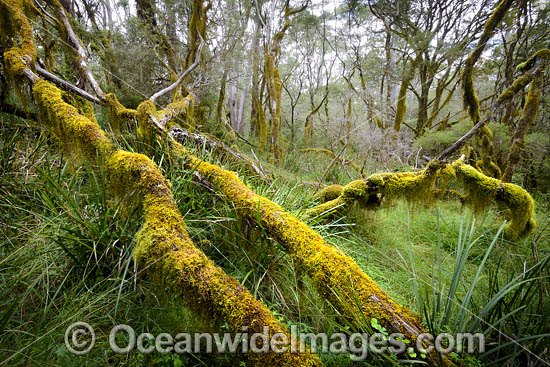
[{"x": 65, "y": 256}]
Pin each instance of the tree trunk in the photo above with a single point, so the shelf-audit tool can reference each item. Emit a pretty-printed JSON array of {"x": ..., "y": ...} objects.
[{"x": 528, "y": 117}]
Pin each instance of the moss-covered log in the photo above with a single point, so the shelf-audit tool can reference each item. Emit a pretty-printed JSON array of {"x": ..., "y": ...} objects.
[
  {"x": 336, "y": 277},
  {"x": 328, "y": 193},
  {"x": 480, "y": 191},
  {"x": 163, "y": 246}
]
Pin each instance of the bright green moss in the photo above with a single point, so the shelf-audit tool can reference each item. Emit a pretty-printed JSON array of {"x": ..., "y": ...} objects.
[
  {"x": 84, "y": 107},
  {"x": 336, "y": 277},
  {"x": 145, "y": 111},
  {"x": 445, "y": 175},
  {"x": 77, "y": 134},
  {"x": 327, "y": 207},
  {"x": 163, "y": 247},
  {"x": 15, "y": 24},
  {"x": 419, "y": 188}
]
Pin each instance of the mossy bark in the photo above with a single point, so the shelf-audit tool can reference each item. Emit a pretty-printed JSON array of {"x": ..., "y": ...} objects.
[
  {"x": 480, "y": 191},
  {"x": 471, "y": 101},
  {"x": 118, "y": 115},
  {"x": 470, "y": 98},
  {"x": 401, "y": 107},
  {"x": 527, "y": 118},
  {"x": 163, "y": 246}
]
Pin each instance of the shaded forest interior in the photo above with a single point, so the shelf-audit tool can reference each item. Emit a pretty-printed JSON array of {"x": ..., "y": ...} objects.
[{"x": 219, "y": 166}]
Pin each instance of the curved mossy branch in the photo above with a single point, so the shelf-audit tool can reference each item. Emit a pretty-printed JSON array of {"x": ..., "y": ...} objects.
[
  {"x": 163, "y": 246},
  {"x": 527, "y": 119},
  {"x": 536, "y": 63},
  {"x": 540, "y": 54},
  {"x": 471, "y": 101},
  {"x": 516, "y": 87},
  {"x": 336, "y": 277},
  {"x": 480, "y": 191}
]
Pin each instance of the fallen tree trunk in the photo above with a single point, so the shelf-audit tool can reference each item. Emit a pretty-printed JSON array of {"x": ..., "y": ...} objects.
[
  {"x": 336, "y": 277},
  {"x": 163, "y": 245}
]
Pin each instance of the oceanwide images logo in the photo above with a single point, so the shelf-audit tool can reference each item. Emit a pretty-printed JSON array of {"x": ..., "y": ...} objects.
[{"x": 80, "y": 338}]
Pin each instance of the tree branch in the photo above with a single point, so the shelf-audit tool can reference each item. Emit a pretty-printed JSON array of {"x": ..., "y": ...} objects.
[
  {"x": 67, "y": 86},
  {"x": 174, "y": 85}
]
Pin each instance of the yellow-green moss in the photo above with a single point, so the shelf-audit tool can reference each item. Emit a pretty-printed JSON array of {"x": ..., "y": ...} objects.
[
  {"x": 117, "y": 114},
  {"x": 482, "y": 190},
  {"x": 516, "y": 87},
  {"x": 15, "y": 24},
  {"x": 335, "y": 276},
  {"x": 401, "y": 107},
  {"x": 145, "y": 111},
  {"x": 543, "y": 54},
  {"x": 419, "y": 187},
  {"x": 17, "y": 37},
  {"x": 163, "y": 247},
  {"x": 470, "y": 98},
  {"x": 328, "y": 193},
  {"x": 76, "y": 133},
  {"x": 84, "y": 107}
]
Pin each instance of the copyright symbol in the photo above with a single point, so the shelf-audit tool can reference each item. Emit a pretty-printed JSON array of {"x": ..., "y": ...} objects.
[{"x": 79, "y": 338}]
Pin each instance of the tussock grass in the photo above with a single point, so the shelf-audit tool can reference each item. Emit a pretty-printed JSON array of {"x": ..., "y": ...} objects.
[{"x": 66, "y": 256}]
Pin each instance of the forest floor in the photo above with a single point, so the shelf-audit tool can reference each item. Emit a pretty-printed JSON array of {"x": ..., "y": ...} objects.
[{"x": 65, "y": 256}]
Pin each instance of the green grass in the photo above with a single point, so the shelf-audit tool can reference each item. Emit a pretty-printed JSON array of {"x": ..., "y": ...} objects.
[{"x": 66, "y": 256}]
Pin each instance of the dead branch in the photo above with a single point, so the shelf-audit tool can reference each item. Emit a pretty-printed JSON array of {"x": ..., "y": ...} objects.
[{"x": 174, "y": 85}]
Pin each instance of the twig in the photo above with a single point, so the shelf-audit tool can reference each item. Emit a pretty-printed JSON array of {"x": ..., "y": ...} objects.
[
  {"x": 67, "y": 86},
  {"x": 174, "y": 85},
  {"x": 329, "y": 167}
]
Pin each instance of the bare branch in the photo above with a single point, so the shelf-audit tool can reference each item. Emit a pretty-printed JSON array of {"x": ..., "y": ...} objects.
[
  {"x": 174, "y": 85},
  {"x": 67, "y": 86}
]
